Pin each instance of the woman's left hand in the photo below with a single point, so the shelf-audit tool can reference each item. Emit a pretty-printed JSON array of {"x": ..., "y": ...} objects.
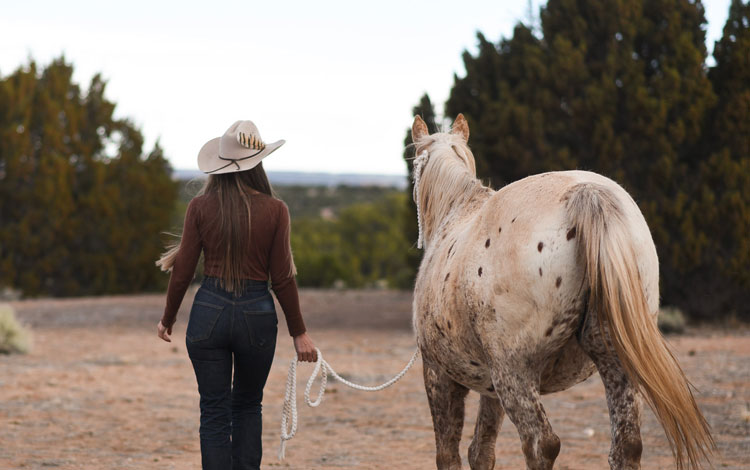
[
  {"x": 164, "y": 332},
  {"x": 305, "y": 348}
]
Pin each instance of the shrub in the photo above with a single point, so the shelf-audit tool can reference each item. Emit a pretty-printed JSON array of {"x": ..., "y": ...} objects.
[
  {"x": 14, "y": 338},
  {"x": 671, "y": 320}
]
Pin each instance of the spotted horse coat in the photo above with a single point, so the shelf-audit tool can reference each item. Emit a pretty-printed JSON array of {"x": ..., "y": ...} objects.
[{"x": 512, "y": 301}]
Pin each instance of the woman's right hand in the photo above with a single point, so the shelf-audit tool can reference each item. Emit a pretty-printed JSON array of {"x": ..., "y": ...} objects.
[{"x": 305, "y": 348}]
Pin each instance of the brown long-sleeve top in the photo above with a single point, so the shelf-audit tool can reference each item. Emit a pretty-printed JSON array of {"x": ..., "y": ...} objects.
[{"x": 269, "y": 254}]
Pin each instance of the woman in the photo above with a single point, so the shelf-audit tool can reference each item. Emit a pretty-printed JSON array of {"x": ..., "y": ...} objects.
[{"x": 243, "y": 232}]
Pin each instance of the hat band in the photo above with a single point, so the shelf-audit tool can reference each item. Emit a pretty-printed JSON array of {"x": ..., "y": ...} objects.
[{"x": 233, "y": 161}]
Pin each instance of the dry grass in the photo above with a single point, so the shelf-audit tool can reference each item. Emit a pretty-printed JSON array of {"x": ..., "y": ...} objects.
[{"x": 14, "y": 338}]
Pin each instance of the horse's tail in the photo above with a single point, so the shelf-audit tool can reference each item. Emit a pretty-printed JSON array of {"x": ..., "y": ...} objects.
[{"x": 617, "y": 295}]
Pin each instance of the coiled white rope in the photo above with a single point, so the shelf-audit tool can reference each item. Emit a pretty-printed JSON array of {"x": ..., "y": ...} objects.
[
  {"x": 419, "y": 162},
  {"x": 324, "y": 369}
]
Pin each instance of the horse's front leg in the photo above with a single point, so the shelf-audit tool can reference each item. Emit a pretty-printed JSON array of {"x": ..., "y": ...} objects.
[
  {"x": 446, "y": 398},
  {"x": 489, "y": 420}
]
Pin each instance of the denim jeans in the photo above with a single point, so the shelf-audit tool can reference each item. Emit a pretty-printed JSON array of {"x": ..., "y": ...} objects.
[{"x": 225, "y": 328}]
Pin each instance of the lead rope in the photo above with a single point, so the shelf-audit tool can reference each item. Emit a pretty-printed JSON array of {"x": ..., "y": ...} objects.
[
  {"x": 419, "y": 162},
  {"x": 324, "y": 369}
]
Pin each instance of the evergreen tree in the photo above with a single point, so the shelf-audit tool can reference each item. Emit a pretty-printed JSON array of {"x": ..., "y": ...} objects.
[
  {"x": 73, "y": 219},
  {"x": 619, "y": 88},
  {"x": 716, "y": 250}
]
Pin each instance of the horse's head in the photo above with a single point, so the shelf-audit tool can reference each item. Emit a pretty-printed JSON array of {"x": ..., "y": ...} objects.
[
  {"x": 444, "y": 169},
  {"x": 444, "y": 147}
]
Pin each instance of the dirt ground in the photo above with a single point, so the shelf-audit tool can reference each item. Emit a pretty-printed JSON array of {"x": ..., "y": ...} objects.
[{"x": 101, "y": 391}]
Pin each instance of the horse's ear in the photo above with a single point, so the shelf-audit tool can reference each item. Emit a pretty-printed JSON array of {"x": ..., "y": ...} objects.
[
  {"x": 461, "y": 127},
  {"x": 418, "y": 129}
]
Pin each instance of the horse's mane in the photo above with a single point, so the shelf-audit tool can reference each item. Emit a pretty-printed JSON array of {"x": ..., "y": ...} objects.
[{"x": 448, "y": 176}]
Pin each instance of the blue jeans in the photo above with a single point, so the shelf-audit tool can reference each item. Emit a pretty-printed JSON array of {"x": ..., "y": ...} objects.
[{"x": 226, "y": 328}]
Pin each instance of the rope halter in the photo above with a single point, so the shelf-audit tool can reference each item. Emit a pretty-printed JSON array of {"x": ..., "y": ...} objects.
[{"x": 419, "y": 164}]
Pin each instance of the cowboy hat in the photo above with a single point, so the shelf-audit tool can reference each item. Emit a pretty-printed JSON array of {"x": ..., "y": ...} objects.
[{"x": 239, "y": 149}]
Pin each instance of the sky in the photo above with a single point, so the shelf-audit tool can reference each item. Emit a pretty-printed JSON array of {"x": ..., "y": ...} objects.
[{"x": 336, "y": 79}]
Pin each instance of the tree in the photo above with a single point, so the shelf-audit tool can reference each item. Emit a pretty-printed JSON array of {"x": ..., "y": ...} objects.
[
  {"x": 81, "y": 206},
  {"x": 716, "y": 253},
  {"x": 621, "y": 88},
  {"x": 363, "y": 246}
]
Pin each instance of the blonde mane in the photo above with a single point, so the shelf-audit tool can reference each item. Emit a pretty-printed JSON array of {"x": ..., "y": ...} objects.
[{"x": 448, "y": 176}]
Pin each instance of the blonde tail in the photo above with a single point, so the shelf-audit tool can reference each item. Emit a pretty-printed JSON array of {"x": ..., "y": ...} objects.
[{"x": 617, "y": 295}]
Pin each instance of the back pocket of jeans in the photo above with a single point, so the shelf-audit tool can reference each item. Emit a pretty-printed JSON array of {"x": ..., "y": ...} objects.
[
  {"x": 203, "y": 318},
  {"x": 262, "y": 327}
]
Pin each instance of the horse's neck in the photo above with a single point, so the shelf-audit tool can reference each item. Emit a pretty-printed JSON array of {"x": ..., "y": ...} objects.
[{"x": 461, "y": 203}]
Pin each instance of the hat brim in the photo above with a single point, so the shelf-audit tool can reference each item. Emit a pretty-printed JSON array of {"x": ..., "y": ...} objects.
[{"x": 210, "y": 163}]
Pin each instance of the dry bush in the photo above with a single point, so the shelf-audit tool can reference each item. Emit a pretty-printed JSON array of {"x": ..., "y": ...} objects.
[
  {"x": 671, "y": 320},
  {"x": 14, "y": 338}
]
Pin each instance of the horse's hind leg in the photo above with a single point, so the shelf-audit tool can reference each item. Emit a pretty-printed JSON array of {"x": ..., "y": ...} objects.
[
  {"x": 519, "y": 395},
  {"x": 482, "y": 448},
  {"x": 446, "y": 398},
  {"x": 622, "y": 400}
]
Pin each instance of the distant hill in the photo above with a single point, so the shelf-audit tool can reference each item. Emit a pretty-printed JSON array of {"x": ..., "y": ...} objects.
[{"x": 300, "y": 178}]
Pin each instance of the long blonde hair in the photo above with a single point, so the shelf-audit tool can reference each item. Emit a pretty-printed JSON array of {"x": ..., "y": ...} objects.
[{"x": 233, "y": 221}]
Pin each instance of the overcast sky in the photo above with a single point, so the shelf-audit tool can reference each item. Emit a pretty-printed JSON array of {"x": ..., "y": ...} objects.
[{"x": 336, "y": 79}]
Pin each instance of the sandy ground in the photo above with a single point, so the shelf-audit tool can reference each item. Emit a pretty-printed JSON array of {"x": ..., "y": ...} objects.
[{"x": 100, "y": 391}]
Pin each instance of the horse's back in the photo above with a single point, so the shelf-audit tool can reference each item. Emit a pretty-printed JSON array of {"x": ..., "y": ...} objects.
[
  {"x": 525, "y": 242},
  {"x": 536, "y": 233}
]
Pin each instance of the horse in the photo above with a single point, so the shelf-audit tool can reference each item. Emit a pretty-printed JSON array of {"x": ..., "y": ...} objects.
[{"x": 529, "y": 290}]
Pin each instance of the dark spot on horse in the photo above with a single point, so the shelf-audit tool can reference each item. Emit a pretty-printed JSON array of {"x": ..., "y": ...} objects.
[
  {"x": 480, "y": 272},
  {"x": 487, "y": 243},
  {"x": 474, "y": 363},
  {"x": 451, "y": 248},
  {"x": 449, "y": 325},
  {"x": 550, "y": 446},
  {"x": 491, "y": 388},
  {"x": 447, "y": 276},
  {"x": 549, "y": 331},
  {"x": 558, "y": 282},
  {"x": 499, "y": 230},
  {"x": 571, "y": 233},
  {"x": 445, "y": 234},
  {"x": 632, "y": 449},
  {"x": 540, "y": 271},
  {"x": 514, "y": 219},
  {"x": 477, "y": 377},
  {"x": 540, "y": 246}
]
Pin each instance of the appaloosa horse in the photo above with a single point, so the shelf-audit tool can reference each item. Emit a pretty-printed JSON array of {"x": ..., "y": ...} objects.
[{"x": 528, "y": 290}]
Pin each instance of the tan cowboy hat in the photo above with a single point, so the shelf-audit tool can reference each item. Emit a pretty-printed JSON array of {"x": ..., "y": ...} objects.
[{"x": 239, "y": 149}]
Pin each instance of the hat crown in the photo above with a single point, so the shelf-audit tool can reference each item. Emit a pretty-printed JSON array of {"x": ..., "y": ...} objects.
[
  {"x": 240, "y": 148},
  {"x": 244, "y": 133}
]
